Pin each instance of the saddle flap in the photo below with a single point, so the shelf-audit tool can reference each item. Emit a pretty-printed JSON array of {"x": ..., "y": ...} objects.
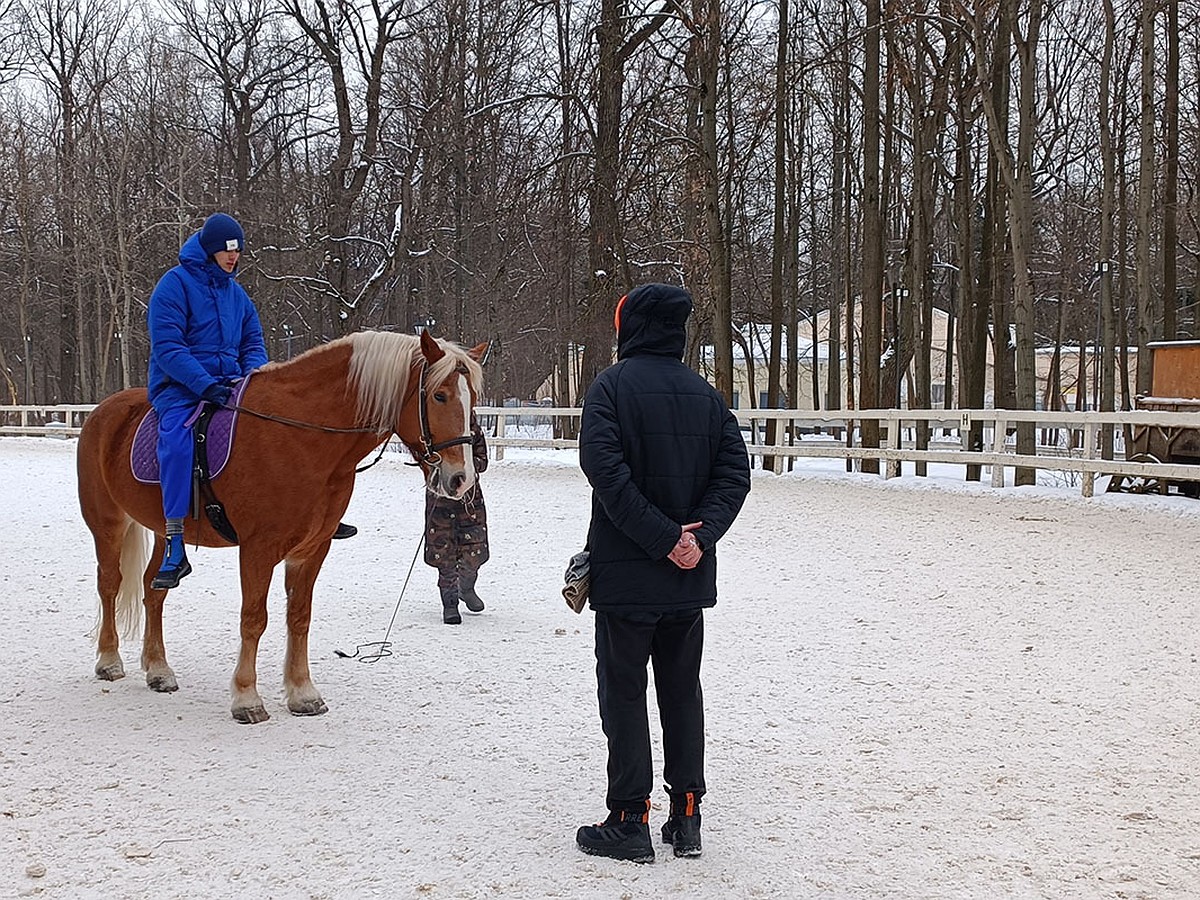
[{"x": 218, "y": 443}]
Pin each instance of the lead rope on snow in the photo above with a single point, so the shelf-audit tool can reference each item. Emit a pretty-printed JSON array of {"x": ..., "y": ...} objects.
[{"x": 384, "y": 647}]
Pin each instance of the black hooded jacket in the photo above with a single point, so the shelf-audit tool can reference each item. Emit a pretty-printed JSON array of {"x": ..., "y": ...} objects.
[{"x": 660, "y": 449}]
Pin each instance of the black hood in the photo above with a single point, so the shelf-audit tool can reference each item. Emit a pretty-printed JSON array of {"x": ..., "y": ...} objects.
[{"x": 653, "y": 319}]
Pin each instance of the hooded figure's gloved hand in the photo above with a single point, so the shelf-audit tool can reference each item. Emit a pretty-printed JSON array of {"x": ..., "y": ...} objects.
[{"x": 217, "y": 393}]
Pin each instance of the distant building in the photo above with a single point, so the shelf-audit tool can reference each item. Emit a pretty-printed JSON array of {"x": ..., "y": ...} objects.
[
  {"x": 750, "y": 381},
  {"x": 813, "y": 351}
]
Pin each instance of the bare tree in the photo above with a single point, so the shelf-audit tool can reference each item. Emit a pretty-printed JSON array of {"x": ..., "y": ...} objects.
[{"x": 352, "y": 40}]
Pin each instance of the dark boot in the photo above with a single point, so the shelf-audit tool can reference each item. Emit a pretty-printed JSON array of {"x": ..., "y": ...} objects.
[
  {"x": 174, "y": 565},
  {"x": 344, "y": 531},
  {"x": 682, "y": 828},
  {"x": 450, "y": 613},
  {"x": 625, "y": 834},
  {"x": 466, "y": 588}
]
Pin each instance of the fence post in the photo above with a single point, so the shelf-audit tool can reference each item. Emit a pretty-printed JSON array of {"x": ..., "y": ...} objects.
[
  {"x": 891, "y": 467},
  {"x": 500, "y": 420},
  {"x": 1089, "y": 452},
  {"x": 777, "y": 460},
  {"x": 998, "y": 437}
]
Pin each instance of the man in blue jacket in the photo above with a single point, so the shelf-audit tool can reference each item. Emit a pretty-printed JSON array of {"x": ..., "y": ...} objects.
[
  {"x": 669, "y": 473},
  {"x": 204, "y": 336}
]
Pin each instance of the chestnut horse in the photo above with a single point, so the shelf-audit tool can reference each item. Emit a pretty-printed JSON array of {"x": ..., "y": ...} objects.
[{"x": 303, "y": 428}]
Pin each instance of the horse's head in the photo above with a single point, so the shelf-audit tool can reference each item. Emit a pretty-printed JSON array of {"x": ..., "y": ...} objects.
[
  {"x": 447, "y": 391},
  {"x": 423, "y": 391}
]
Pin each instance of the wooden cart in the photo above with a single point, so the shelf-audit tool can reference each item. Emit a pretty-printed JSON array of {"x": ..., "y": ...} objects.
[{"x": 1175, "y": 387}]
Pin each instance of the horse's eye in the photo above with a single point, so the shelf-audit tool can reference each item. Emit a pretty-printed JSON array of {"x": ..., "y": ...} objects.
[{"x": 440, "y": 396}]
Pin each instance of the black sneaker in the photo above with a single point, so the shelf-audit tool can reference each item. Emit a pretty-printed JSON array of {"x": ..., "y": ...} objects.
[
  {"x": 683, "y": 833},
  {"x": 623, "y": 835},
  {"x": 344, "y": 531}
]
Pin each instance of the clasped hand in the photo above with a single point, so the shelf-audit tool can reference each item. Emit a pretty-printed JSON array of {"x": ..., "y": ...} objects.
[{"x": 687, "y": 552}]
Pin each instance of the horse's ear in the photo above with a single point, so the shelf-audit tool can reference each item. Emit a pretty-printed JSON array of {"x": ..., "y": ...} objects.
[
  {"x": 432, "y": 350},
  {"x": 479, "y": 351}
]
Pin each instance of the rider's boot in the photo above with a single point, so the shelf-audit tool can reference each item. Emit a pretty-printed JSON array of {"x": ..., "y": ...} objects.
[{"x": 174, "y": 565}]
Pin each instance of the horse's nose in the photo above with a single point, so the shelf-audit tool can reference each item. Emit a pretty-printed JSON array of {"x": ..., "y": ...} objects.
[{"x": 457, "y": 482}]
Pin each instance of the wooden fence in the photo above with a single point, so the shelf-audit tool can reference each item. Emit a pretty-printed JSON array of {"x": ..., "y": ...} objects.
[{"x": 828, "y": 434}]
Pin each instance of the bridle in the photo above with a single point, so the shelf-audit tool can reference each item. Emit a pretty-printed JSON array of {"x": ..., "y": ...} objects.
[{"x": 430, "y": 452}]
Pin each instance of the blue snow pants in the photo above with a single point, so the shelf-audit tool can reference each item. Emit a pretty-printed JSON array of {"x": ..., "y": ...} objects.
[{"x": 175, "y": 459}]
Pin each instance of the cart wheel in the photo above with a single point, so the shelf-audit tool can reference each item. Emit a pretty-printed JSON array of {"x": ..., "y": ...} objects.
[{"x": 1144, "y": 484}]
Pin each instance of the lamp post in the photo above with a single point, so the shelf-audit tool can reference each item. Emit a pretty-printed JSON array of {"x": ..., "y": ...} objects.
[
  {"x": 1104, "y": 269},
  {"x": 1105, "y": 350},
  {"x": 900, "y": 293},
  {"x": 28, "y": 368}
]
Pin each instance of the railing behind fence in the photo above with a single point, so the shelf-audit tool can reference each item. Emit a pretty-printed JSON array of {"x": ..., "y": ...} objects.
[{"x": 824, "y": 434}]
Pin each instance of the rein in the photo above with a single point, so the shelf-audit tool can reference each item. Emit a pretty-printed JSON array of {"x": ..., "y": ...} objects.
[
  {"x": 327, "y": 429},
  {"x": 430, "y": 451},
  {"x": 296, "y": 423}
]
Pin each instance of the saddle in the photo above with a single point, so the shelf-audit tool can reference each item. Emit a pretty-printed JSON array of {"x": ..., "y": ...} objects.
[{"x": 212, "y": 433}]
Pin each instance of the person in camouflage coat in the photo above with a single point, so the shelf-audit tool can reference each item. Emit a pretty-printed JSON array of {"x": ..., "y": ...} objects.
[{"x": 456, "y": 538}]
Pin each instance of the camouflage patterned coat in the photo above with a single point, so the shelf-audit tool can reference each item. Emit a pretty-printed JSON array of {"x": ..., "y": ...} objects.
[{"x": 456, "y": 530}]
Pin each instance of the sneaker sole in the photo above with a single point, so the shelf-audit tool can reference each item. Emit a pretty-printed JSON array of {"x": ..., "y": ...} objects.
[
  {"x": 682, "y": 852},
  {"x": 640, "y": 858},
  {"x": 165, "y": 583}
]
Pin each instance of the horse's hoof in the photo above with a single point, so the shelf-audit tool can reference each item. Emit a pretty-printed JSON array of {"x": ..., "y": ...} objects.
[
  {"x": 250, "y": 715},
  {"x": 309, "y": 708},
  {"x": 111, "y": 671},
  {"x": 164, "y": 684}
]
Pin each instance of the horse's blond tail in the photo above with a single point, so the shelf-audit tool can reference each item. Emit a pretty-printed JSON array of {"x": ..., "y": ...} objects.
[{"x": 135, "y": 556}]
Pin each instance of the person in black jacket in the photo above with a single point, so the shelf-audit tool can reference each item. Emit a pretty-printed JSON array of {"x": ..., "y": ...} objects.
[{"x": 669, "y": 473}]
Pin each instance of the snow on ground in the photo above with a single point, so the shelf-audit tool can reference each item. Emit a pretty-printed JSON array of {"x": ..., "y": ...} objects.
[{"x": 915, "y": 689}]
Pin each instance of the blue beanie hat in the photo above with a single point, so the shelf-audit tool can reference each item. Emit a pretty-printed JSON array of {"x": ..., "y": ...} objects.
[{"x": 221, "y": 232}]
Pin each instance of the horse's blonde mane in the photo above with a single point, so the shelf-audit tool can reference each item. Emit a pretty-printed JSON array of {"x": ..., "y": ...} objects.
[{"x": 380, "y": 363}]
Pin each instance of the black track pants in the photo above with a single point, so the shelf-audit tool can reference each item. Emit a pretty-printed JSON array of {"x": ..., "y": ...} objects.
[{"x": 675, "y": 644}]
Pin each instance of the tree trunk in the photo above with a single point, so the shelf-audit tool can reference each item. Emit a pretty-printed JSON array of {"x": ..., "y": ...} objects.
[
  {"x": 1170, "y": 237},
  {"x": 872, "y": 238},
  {"x": 778, "y": 232},
  {"x": 1108, "y": 189},
  {"x": 1145, "y": 199}
]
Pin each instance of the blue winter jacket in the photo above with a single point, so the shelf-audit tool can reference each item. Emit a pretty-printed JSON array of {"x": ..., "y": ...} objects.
[
  {"x": 204, "y": 329},
  {"x": 660, "y": 449}
]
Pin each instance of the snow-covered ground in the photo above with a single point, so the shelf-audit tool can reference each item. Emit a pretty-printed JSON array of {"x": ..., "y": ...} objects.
[{"x": 915, "y": 689}]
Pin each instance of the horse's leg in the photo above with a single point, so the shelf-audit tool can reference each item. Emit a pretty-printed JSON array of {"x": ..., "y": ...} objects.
[
  {"x": 303, "y": 698},
  {"x": 159, "y": 674},
  {"x": 109, "y": 666},
  {"x": 256, "y": 581}
]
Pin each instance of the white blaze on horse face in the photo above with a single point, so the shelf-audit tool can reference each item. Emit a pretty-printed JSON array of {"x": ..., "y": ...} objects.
[
  {"x": 455, "y": 482},
  {"x": 464, "y": 393}
]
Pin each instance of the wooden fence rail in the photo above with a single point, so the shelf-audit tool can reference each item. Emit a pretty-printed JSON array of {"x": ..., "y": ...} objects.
[{"x": 823, "y": 434}]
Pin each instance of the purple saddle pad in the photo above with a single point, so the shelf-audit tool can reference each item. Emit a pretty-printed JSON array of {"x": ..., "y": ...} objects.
[{"x": 143, "y": 456}]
